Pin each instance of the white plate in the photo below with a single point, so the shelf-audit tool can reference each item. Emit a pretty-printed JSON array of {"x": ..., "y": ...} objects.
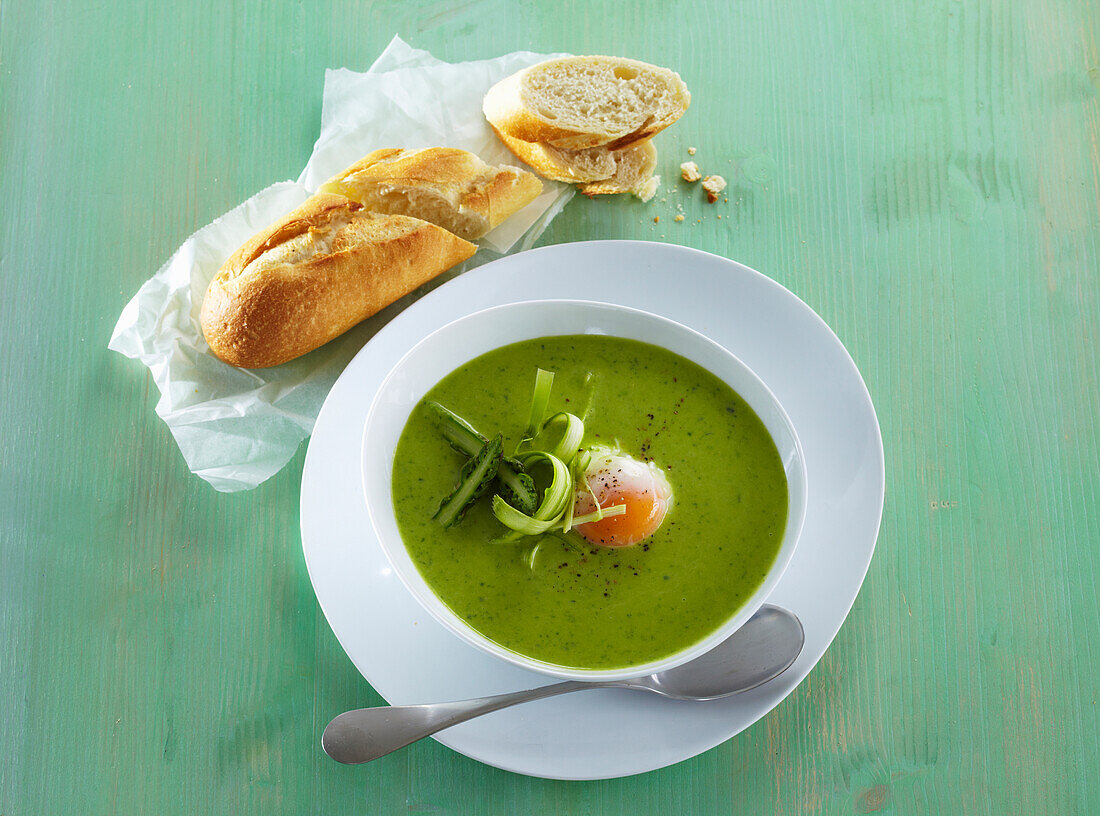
[{"x": 410, "y": 658}]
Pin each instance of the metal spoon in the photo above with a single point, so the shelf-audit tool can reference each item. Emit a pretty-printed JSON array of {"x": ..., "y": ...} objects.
[{"x": 761, "y": 649}]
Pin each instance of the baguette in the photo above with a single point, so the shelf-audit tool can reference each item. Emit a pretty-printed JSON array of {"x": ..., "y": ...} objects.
[
  {"x": 580, "y": 102},
  {"x": 451, "y": 188},
  {"x": 314, "y": 274}
]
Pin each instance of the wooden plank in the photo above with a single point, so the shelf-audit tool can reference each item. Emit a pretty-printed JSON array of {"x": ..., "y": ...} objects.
[{"x": 925, "y": 175}]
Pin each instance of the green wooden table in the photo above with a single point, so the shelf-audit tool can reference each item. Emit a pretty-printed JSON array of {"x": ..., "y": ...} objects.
[{"x": 926, "y": 175}]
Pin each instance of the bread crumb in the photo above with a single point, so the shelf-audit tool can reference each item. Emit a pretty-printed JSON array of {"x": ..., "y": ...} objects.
[
  {"x": 691, "y": 151},
  {"x": 679, "y": 218},
  {"x": 689, "y": 171},
  {"x": 713, "y": 185},
  {"x": 648, "y": 188}
]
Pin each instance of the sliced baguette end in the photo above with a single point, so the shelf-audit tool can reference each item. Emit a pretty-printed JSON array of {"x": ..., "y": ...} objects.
[{"x": 575, "y": 103}]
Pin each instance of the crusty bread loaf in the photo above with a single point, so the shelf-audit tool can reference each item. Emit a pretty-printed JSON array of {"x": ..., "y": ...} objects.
[
  {"x": 451, "y": 188},
  {"x": 580, "y": 102},
  {"x": 597, "y": 170},
  {"x": 314, "y": 274}
]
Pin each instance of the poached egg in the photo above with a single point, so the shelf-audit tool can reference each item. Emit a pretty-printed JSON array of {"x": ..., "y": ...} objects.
[{"x": 617, "y": 478}]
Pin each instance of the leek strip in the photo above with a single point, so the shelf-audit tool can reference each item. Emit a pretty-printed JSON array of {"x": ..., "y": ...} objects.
[
  {"x": 572, "y": 432},
  {"x": 581, "y": 461},
  {"x": 580, "y": 465},
  {"x": 530, "y": 557},
  {"x": 577, "y": 467},
  {"x": 561, "y": 485},
  {"x": 513, "y": 519},
  {"x": 598, "y": 514},
  {"x": 555, "y": 500},
  {"x": 589, "y": 392},
  {"x": 540, "y": 399},
  {"x": 567, "y": 520}
]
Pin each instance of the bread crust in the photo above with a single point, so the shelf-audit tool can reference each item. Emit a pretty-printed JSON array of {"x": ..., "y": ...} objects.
[
  {"x": 314, "y": 274},
  {"x": 473, "y": 196},
  {"x": 506, "y": 108},
  {"x": 552, "y": 163},
  {"x": 629, "y": 170}
]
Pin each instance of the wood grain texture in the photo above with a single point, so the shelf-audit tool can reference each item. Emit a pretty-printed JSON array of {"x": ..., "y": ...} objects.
[{"x": 925, "y": 175}]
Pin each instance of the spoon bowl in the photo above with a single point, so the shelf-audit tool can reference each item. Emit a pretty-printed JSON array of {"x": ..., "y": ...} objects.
[{"x": 762, "y": 649}]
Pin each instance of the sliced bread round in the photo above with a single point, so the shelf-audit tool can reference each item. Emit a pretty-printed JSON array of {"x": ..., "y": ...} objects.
[{"x": 580, "y": 102}]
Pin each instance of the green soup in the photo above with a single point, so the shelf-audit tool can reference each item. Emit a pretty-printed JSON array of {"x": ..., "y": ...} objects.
[{"x": 596, "y": 607}]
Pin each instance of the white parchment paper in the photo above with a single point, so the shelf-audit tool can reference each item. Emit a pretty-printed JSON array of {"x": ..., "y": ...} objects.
[{"x": 237, "y": 427}]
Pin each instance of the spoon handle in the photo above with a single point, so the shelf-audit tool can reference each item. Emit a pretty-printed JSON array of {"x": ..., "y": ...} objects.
[{"x": 368, "y": 733}]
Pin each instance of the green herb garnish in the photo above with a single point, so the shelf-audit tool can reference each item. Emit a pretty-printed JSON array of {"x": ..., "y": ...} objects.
[{"x": 555, "y": 442}]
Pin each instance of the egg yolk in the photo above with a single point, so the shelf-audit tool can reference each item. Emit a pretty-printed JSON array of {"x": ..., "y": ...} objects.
[{"x": 619, "y": 479}]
